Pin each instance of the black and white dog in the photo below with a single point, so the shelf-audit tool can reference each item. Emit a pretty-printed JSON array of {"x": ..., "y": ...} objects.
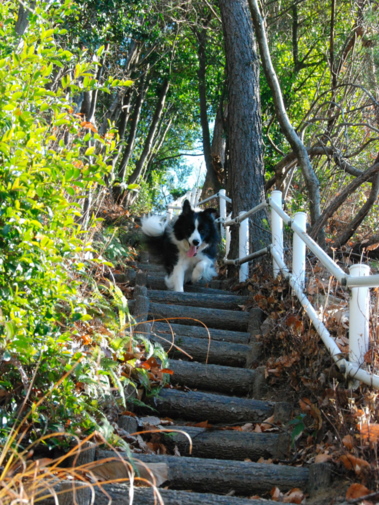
[{"x": 186, "y": 246}]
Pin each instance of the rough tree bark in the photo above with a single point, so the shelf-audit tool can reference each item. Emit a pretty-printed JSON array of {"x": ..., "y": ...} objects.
[
  {"x": 244, "y": 129},
  {"x": 215, "y": 177}
]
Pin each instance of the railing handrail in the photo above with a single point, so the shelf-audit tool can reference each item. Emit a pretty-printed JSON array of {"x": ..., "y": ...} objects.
[{"x": 357, "y": 283}]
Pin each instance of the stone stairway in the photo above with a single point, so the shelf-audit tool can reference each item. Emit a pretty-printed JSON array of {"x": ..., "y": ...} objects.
[{"x": 212, "y": 350}]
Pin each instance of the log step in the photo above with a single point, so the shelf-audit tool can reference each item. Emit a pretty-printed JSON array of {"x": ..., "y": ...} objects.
[
  {"x": 168, "y": 329},
  {"x": 119, "y": 493},
  {"x": 222, "y": 476},
  {"x": 229, "y": 444},
  {"x": 222, "y": 353},
  {"x": 213, "y": 318},
  {"x": 156, "y": 281},
  {"x": 206, "y": 300},
  {"x": 223, "y": 379},
  {"x": 217, "y": 409}
]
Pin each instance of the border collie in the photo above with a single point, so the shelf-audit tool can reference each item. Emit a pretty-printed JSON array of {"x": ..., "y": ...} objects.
[{"x": 186, "y": 246}]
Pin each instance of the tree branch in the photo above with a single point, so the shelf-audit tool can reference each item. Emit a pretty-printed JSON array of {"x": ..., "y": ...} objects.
[{"x": 298, "y": 147}]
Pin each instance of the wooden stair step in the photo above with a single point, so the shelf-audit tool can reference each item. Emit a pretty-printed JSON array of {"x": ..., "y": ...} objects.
[
  {"x": 216, "y": 408},
  {"x": 154, "y": 280},
  {"x": 119, "y": 493},
  {"x": 229, "y": 444},
  {"x": 222, "y": 476},
  {"x": 213, "y": 318},
  {"x": 206, "y": 300},
  {"x": 222, "y": 379},
  {"x": 199, "y": 349},
  {"x": 169, "y": 329}
]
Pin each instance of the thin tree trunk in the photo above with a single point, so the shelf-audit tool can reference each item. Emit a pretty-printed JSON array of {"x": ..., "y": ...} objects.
[
  {"x": 341, "y": 197},
  {"x": 23, "y": 17},
  {"x": 160, "y": 138},
  {"x": 365, "y": 209},
  {"x": 310, "y": 177},
  {"x": 133, "y": 129},
  {"x": 206, "y": 137},
  {"x": 215, "y": 178},
  {"x": 152, "y": 131}
]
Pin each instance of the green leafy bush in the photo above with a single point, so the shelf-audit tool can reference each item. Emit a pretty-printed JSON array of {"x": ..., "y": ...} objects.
[{"x": 51, "y": 163}]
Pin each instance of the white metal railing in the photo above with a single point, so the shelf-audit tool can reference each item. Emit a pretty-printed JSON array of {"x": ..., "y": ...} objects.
[{"x": 358, "y": 280}]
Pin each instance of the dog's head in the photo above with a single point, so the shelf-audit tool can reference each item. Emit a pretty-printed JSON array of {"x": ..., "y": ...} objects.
[{"x": 195, "y": 230}]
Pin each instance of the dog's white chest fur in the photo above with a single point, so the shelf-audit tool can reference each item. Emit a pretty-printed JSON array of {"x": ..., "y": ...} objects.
[{"x": 190, "y": 269}]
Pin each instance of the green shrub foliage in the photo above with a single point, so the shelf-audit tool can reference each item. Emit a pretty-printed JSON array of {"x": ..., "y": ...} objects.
[{"x": 51, "y": 161}]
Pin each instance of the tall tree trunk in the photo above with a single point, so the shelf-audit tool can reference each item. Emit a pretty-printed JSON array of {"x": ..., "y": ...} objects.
[
  {"x": 215, "y": 177},
  {"x": 121, "y": 171},
  {"x": 244, "y": 120},
  {"x": 149, "y": 142},
  {"x": 206, "y": 137},
  {"x": 23, "y": 17}
]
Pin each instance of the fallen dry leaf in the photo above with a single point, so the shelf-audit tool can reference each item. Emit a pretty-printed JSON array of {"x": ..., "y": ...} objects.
[
  {"x": 276, "y": 495},
  {"x": 267, "y": 423},
  {"x": 310, "y": 408},
  {"x": 322, "y": 458},
  {"x": 369, "y": 431},
  {"x": 348, "y": 442},
  {"x": 356, "y": 491},
  {"x": 353, "y": 463},
  {"x": 295, "y": 495}
]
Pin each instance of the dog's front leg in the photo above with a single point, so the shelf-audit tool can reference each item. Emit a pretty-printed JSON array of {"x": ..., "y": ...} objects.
[
  {"x": 198, "y": 271},
  {"x": 176, "y": 280}
]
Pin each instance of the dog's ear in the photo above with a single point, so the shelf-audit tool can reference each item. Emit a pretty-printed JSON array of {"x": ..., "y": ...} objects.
[
  {"x": 211, "y": 212},
  {"x": 186, "y": 207}
]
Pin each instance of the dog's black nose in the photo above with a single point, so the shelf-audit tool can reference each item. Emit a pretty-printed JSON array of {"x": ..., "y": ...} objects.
[{"x": 195, "y": 242}]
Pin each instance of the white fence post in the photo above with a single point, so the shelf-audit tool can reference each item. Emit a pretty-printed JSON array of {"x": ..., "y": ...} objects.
[
  {"x": 222, "y": 194},
  {"x": 299, "y": 250},
  {"x": 228, "y": 238},
  {"x": 359, "y": 317},
  {"x": 244, "y": 248},
  {"x": 277, "y": 230}
]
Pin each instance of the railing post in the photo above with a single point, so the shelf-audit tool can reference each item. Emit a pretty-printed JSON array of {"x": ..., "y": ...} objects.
[
  {"x": 277, "y": 230},
  {"x": 243, "y": 248},
  {"x": 359, "y": 313},
  {"x": 228, "y": 239},
  {"x": 222, "y": 193},
  {"x": 299, "y": 250}
]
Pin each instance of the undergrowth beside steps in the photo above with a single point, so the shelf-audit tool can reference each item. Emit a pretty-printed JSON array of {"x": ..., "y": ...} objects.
[
  {"x": 65, "y": 329},
  {"x": 333, "y": 423}
]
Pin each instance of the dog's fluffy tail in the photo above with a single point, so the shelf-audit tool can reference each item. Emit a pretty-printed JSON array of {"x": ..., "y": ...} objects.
[{"x": 153, "y": 226}]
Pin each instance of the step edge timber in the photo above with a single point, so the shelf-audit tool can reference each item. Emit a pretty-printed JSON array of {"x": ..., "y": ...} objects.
[
  {"x": 216, "y": 334},
  {"x": 222, "y": 353},
  {"x": 82, "y": 492},
  {"x": 190, "y": 299},
  {"x": 235, "y": 445},
  {"x": 218, "y": 408},
  {"x": 134, "y": 277},
  {"x": 244, "y": 477},
  {"x": 215, "y": 377},
  {"x": 214, "y": 318}
]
